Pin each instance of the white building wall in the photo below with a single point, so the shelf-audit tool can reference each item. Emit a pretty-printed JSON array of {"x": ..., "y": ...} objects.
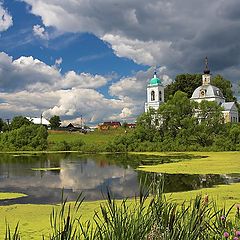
[
  {"x": 217, "y": 100},
  {"x": 158, "y": 100}
]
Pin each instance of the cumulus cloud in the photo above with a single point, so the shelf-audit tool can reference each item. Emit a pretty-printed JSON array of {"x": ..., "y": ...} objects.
[
  {"x": 27, "y": 73},
  {"x": 176, "y": 34},
  {"x": 5, "y": 18},
  {"x": 29, "y": 86},
  {"x": 139, "y": 51}
]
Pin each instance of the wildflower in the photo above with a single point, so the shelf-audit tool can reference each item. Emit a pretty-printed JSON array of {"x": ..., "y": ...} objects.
[
  {"x": 226, "y": 235},
  {"x": 223, "y": 218},
  {"x": 237, "y": 233},
  {"x": 235, "y": 238}
]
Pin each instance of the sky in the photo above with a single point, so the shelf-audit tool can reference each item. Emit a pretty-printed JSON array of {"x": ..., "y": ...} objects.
[{"x": 94, "y": 58}]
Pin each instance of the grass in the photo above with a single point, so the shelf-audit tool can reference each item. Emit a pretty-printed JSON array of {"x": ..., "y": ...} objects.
[
  {"x": 34, "y": 219},
  {"x": 211, "y": 163},
  {"x": 8, "y": 195},
  {"x": 96, "y": 137}
]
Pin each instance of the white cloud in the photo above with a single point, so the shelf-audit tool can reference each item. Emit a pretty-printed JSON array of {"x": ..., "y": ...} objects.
[
  {"x": 176, "y": 34},
  {"x": 148, "y": 53},
  {"x": 31, "y": 87},
  {"x": 32, "y": 74},
  {"x": 40, "y": 32},
  {"x": 5, "y": 19}
]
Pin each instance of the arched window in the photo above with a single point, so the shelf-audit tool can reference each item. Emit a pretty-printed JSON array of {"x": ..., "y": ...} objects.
[
  {"x": 160, "y": 96},
  {"x": 152, "y": 96}
]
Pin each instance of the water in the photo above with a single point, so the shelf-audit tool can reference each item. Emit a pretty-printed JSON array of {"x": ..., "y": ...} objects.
[{"x": 90, "y": 174}]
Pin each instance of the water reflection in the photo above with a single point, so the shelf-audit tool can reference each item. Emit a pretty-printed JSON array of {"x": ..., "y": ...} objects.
[{"x": 91, "y": 174}]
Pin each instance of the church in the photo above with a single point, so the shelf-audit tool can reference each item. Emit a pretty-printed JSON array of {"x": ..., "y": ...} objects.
[{"x": 207, "y": 92}]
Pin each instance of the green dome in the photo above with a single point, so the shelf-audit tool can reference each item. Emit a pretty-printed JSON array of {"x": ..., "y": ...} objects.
[{"x": 155, "y": 81}]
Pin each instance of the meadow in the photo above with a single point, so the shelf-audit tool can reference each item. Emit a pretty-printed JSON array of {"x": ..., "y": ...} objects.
[{"x": 96, "y": 137}]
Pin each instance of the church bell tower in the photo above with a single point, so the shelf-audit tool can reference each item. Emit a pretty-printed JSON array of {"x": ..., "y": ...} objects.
[{"x": 155, "y": 93}]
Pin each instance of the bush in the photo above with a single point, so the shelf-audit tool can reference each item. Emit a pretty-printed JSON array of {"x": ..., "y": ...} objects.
[{"x": 27, "y": 137}]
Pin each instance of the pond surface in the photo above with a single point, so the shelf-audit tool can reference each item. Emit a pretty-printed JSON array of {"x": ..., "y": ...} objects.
[{"x": 90, "y": 174}]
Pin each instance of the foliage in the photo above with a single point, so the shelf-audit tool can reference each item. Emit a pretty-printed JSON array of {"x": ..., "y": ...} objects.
[
  {"x": 1, "y": 124},
  {"x": 180, "y": 125},
  {"x": 26, "y": 137},
  {"x": 225, "y": 86},
  {"x": 146, "y": 218},
  {"x": 189, "y": 82},
  {"x": 18, "y": 122},
  {"x": 184, "y": 82},
  {"x": 55, "y": 122}
]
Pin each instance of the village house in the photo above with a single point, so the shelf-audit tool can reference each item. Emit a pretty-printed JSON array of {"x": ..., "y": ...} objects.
[{"x": 109, "y": 125}]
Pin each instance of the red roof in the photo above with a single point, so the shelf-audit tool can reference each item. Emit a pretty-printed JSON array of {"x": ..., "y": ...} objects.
[{"x": 112, "y": 123}]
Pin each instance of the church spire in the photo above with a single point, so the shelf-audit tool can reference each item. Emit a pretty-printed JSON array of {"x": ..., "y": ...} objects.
[
  {"x": 206, "y": 70},
  {"x": 155, "y": 73},
  {"x": 206, "y": 77}
]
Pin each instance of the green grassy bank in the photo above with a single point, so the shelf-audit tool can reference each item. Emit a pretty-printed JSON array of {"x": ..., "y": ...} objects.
[{"x": 96, "y": 137}]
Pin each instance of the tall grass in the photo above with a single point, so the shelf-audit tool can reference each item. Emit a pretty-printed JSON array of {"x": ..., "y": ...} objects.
[{"x": 149, "y": 217}]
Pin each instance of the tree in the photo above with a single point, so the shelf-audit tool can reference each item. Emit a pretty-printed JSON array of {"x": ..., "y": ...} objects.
[
  {"x": 27, "y": 137},
  {"x": 177, "y": 114},
  {"x": 147, "y": 125},
  {"x": 1, "y": 124},
  {"x": 211, "y": 122},
  {"x": 184, "y": 82},
  {"x": 189, "y": 82},
  {"x": 225, "y": 86},
  {"x": 55, "y": 122},
  {"x": 18, "y": 122}
]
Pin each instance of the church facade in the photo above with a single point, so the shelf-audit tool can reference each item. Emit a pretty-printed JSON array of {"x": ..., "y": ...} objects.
[{"x": 207, "y": 92}]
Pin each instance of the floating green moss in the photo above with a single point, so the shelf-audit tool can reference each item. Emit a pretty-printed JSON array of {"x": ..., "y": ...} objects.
[{"x": 8, "y": 195}]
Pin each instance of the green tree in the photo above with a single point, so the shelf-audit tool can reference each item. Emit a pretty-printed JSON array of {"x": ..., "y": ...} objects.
[
  {"x": 27, "y": 137},
  {"x": 177, "y": 114},
  {"x": 18, "y": 122},
  {"x": 147, "y": 125},
  {"x": 1, "y": 124},
  {"x": 211, "y": 122},
  {"x": 184, "y": 82},
  {"x": 189, "y": 82},
  {"x": 55, "y": 122},
  {"x": 225, "y": 86}
]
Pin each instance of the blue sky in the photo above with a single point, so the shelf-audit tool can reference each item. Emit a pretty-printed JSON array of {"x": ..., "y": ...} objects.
[{"x": 94, "y": 58}]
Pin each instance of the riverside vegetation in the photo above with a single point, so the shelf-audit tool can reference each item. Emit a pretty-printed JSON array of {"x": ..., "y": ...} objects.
[
  {"x": 152, "y": 216},
  {"x": 179, "y": 130}
]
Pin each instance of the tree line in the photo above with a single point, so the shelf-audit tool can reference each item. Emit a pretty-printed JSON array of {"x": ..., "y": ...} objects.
[
  {"x": 183, "y": 125},
  {"x": 22, "y": 134}
]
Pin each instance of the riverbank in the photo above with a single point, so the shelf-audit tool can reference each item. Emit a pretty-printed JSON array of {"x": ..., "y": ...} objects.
[{"x": 34, "y": 219}]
